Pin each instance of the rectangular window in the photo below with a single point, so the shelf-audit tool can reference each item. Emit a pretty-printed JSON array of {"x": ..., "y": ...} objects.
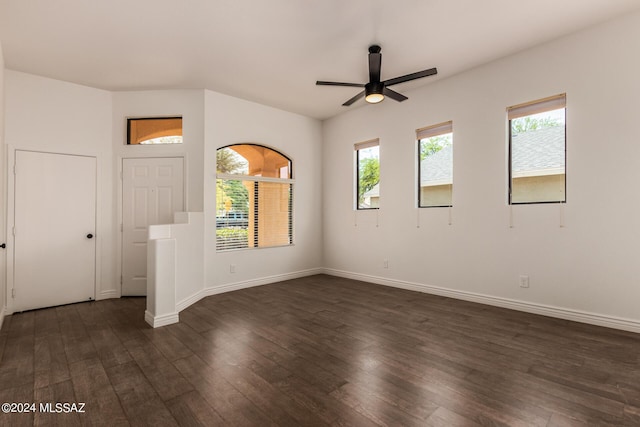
[
  {"x": 368, "y": 174},
  {"x": 154, "y": 130},
  {"x": 435, "y": 165},
  {"x": 537, "y": 151}
]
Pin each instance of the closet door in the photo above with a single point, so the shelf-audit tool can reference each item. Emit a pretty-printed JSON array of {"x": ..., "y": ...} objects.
[{"x": 54, "y": 227}]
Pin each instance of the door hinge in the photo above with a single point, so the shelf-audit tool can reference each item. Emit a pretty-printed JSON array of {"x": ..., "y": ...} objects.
[
  {"x": 14, "y": 169},
  {"x": 121, "y": 280},
  {"x": 13, "y": 293},
  {"x": 13, "y": 230},
  {"x": 121, "y": 227}
]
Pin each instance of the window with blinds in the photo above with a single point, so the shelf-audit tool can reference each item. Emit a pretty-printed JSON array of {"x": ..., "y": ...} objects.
[
  {"x": 368, "y": 174},
  {"x": 435, "y": 165},
  {"x": 537, "y": 151},
  {"x": 254, "y": 198}
]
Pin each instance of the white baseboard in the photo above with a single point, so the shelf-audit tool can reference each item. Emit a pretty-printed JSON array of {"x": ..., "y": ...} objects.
[
  {"x": 189, "y": 301},
  {"x": 2, "y": 314},
  {"x": 243, "y": 285},
  {"x": 545, "y": 310},
  {"x": 157, "y": 321}
]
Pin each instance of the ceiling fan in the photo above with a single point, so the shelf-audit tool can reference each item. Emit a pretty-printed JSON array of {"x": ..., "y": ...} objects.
[{"x": 376, "y": 90}]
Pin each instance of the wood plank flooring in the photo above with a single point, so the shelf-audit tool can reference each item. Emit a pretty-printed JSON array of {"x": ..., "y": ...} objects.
[{"x": 318, "y": 351}]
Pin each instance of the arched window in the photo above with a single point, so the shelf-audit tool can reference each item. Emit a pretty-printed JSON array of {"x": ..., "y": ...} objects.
[{"x": 254, "y": 197}]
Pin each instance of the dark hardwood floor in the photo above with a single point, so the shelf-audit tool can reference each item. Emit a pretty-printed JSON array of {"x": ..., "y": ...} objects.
[{"x": 318, "y": 351}]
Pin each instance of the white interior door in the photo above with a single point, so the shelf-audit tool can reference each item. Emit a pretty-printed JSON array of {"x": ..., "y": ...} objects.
[
  {"x": 55, "y": 220},
  {"x": 152, "y": 190}
]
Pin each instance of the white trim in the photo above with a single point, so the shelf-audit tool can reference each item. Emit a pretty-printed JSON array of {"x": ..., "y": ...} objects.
[
  {"x": 3, "y": 227},
  {"x": 538, "y": 172},
  {"x": 97, "y": 286},
  {"x": 528, "y": 307},
  {"x": 239, "y": 177},
  {"x": 10, "y": 238},
  {"x": 164, "y": 320},
  {"x": 119, "y": 181},
  {"x": 436, "y": 182},
  {"x": 189, "y": 301},
  {"x": 243, "y": 285}
]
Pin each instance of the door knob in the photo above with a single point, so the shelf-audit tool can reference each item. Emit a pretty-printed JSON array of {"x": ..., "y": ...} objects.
[
  {"x": 4, "y": 245},
  {"x": 89, "y": 236}
]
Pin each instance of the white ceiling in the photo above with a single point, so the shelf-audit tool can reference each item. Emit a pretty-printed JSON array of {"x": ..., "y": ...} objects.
[{"x": 272, "y": 52}]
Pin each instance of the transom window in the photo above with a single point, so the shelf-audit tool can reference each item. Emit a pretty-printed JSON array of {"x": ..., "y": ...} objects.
[
  {"x": 537, "y": 151},
  {"x": 435, "y": 165},
  {"x": 254, "y": 198},
  {"x": 154, "y": 130}
]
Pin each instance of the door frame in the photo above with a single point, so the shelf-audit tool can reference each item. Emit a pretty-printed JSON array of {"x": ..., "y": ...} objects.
[
  {"x": 11, "y": 210},
  {"x": 120, "y": 204}
]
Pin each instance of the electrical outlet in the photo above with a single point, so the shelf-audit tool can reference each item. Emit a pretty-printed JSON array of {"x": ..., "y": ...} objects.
[
  {"x": 232, "y": 268},
  {"x": 385, "y": 263},
  {"x": 524, "y": 281}
]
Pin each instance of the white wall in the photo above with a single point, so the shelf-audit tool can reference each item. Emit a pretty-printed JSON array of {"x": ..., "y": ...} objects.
[
  {"x": 188, "y": 231},
  {"x": 3, "y": 257},
  {"x": 231, "y": 120},
  {"x": 588, "y": 266},
  {"x": 53, "y": 116},
  {"x": 157, "y": 103}
]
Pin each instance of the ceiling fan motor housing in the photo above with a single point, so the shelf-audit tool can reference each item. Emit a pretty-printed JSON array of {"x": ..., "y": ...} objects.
[{"x": 373, "y": 87}]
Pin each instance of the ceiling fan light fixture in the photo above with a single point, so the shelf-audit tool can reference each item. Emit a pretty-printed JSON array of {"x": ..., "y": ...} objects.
[
  {"x": 373, "y": 91},
  {"x": 374, "y": 98}
]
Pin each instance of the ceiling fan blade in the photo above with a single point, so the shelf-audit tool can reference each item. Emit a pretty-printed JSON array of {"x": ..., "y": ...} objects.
[
  {"x": 354, "y": 99},
  {"x": 375, "y": 62},
  {"x": 393, "y": 94},
  {"x": 321, "y": 83},
  {"x": 412, "y": 76}
]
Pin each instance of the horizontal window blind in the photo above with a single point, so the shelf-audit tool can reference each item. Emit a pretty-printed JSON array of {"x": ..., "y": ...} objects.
[
  {"x": 540, "y": 106},
  {"x": 366, "y": 144},
  {"x": 232, "y": 213},
  {"x": 435, "y": 130},
  {"x": 274, "y": 202},
  {"x": 251, "y": 213}
]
